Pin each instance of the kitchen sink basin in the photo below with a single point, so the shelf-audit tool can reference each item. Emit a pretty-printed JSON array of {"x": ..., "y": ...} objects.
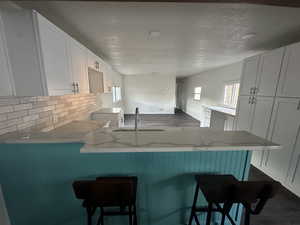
[{"x": 138, "y": 130}]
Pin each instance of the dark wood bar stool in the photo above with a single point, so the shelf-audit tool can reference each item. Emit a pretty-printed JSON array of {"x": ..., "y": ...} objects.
[
  {"x": 222, "y": 191},
  {"x": 112, "y": 195}
]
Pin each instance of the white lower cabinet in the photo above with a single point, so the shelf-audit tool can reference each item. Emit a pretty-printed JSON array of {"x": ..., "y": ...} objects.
[
  {"x": 284, "y": 130},
  {"x": 254, "y": 115},
  {"x": 244, "y": 113}
]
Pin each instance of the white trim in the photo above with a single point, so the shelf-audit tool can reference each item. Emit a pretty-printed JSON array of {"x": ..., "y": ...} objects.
[
  {"x": 5, "y": 50},
  {"x": 39, "y": 52}
]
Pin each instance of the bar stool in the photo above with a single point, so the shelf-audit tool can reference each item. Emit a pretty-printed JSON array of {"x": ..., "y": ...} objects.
[
  {"x": 108, "y": 193},
  {"x": 227, "y": 190}
]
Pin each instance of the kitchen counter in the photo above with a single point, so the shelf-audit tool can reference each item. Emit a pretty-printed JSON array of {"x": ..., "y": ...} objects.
[
  {"x": 74, "y": 131},
  {"x": 173, "y": 140},
  {"x": 109, "y": 111},
  {"x": 224, "y": 110}
]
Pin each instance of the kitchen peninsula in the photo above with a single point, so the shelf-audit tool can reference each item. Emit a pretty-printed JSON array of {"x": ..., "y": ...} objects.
[{"x": 164, "y": 160}]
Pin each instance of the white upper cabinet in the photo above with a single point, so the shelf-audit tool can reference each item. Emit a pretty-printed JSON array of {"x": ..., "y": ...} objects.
[
  {"x": 79, "y": 59},
  {"x": 249, "y": 75},
  {"x": 289, "y": 82},
  {"x": 284, "y": 130},
  {"x": 53, "y": 42},
  {"x": 268, "y": 74}
]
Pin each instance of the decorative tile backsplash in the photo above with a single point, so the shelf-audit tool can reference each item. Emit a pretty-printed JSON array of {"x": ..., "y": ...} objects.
[{"x": 43, "y": 112}]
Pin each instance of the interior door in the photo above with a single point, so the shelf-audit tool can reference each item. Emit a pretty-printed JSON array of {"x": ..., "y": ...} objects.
[
  {"x": 244, "y": 113},
  {"x": 261, "y": 119},
  {"x": 250, "y": 70},
  {"x": 289, "y": 78},
  {"x": 269, "y": 71},
  {"x": 283, "y": 130}
]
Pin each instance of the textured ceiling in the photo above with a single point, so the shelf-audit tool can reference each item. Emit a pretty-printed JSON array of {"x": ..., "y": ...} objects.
[{"x": 194, "y": 37}]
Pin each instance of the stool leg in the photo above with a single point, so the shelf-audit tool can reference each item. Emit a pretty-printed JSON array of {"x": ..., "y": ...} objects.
[
  {"x": 134, "y": 215},
  {"x": 193, "y": 210},
  {"x": 89, "y": 215},
  {"x": 247, "y": 216},
  {"x": 130, "y": 215},
  {"x": 208, "y": 218}
]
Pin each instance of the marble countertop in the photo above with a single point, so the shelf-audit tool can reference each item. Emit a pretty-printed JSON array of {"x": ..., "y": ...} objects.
[
  {"x": 225, "y": 110},
  {"x": 74, "y": 131},
  {"x": 173, "y": 139},
  {"x": 109, "y": 111}
]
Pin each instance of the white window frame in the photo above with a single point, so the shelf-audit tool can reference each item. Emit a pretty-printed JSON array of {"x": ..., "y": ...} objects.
[
  {"x": 197, "y": 93},
  {"x": 231, "y": 101},
  {"x": 116, "y": 93}
]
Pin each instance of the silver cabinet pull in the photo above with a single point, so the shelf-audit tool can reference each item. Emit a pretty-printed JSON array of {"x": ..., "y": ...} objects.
[
  {"x": 253, "y": 100},
  {"x": 298, "y": 107},
  {"x": 250, "y": 100},
  {"x": 255, "y": 90},
  {"x": 296, "y": 168},
  {"x": 74, "y": 87},
  {"x": 251, "y": 91},
  {"x": 77, "y": 88}
]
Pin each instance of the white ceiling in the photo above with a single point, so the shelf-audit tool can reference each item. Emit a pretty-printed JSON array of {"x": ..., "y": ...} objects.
[{"x": 194, "y": 36}]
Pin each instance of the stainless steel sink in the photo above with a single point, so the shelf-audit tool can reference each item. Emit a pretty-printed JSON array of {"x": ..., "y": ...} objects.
[{"x": 138, "y": 130}]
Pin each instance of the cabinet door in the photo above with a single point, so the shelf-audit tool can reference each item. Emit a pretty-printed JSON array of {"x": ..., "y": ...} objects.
[
  {"x": 270, "y": 64},
  {"x": 283, "y": 130},
  {"x": 293, "y": 182},
  {"x": 244, "y": 113},
  {"x": 55, "y": 58},
  {"x": 289, "y": 78},
  {"x": 79, "y": 68},
  {"x": 5, "y": 76},
  {"x": 261, "y": 120},
  {"x": 250, "y": 70}
]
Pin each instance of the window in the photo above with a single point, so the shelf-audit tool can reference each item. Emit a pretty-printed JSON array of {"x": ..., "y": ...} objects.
[
  {"x": 231, "y": 94},
  {"x": 197, "y": 93},
  {"x": 116, "y": 92}
]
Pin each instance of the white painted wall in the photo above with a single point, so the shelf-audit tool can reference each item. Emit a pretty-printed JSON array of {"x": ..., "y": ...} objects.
[
  {"x": 152, "y": 94},
  {"x": 212, "y": 83}
]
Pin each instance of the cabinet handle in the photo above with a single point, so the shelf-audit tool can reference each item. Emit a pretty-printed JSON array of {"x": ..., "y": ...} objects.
[
  {"x": 255, "y": 90},
  {"x": 250, "y": 100},
  {"x": 74, "y": 87},
  {"x": 253, "y": 100},
  {"x": 251, "y": 91},
  {"x": 77, "y": 88},
  {"x": 298, "y": 107},
  {"x": 295, "y": 171}
]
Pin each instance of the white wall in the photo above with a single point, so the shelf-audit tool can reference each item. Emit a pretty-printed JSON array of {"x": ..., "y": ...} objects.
[
  {"x": 212, "y": 83},
  {"x": 152, "y": 94}
]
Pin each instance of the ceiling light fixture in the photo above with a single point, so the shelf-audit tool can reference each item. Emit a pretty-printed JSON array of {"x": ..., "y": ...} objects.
[
  {"x": 154, "y": 34},
  {"x": 248, "y": 36}
]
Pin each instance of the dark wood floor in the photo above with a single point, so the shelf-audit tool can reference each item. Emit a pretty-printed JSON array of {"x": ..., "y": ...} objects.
[
  {"x": 179, "y": 119},
  {"x": 284, "y": 209}
]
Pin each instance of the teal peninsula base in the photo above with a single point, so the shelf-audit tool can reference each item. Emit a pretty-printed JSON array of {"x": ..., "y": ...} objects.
[{"x": 37, "y": 181}]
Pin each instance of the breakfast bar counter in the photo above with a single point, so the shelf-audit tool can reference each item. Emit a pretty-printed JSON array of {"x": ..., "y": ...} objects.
[{"x": 36, "y": 177}]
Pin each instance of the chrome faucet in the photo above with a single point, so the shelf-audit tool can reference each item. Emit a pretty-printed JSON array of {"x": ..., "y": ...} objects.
[{"x": 136, "y": 118}]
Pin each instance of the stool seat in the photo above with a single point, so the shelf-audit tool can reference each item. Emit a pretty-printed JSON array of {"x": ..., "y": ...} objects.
[
  {"x": 113, "y": 195},
  {"x": 222, "y": 191},
  {"x": 216, "y": 188}
]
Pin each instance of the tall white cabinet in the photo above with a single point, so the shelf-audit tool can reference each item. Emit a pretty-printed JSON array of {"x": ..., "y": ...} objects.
[{"x": 268, "y": 107}]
